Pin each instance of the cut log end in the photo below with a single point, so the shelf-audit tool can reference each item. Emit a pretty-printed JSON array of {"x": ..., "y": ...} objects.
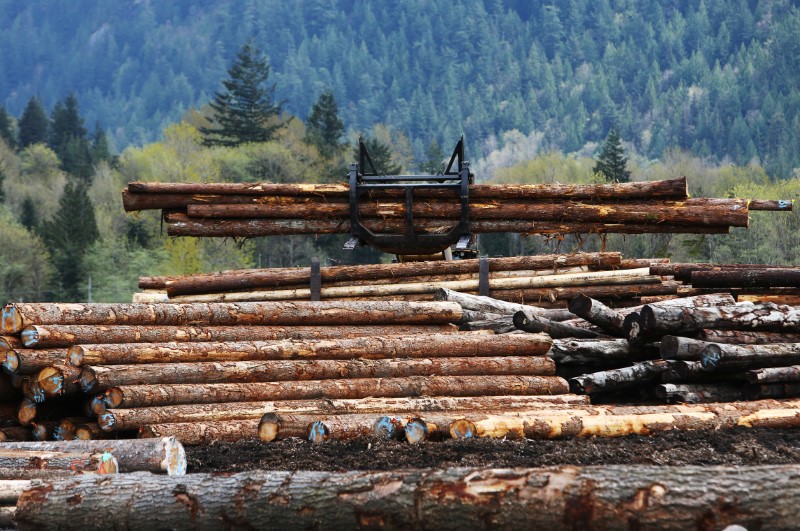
[
  {"x": 30, "y": 336},
  {"x": 108, "y": 464},
  {"x": 416, "y": 430},
  {"x": 386, "y": 427},
  {"x": 269, "y": 427},
  {"x": 318, "y": 432},
  {"x": 10, "y": 320},
  {"x": 462, "y": 429},
  {"x": 88, "y": 380},
  {"x": 174, "y": 463},
  {"x": 11, "y": 362}
]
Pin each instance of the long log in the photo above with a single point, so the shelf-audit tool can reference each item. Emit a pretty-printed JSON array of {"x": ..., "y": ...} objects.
[
  {"x": 31, "y": 361},
  {"x": 646, "y": 497},
  {"x": 682, "y": 348},
  {"x": 22, "y": 460},
  {"x": 774, "y": 375},
  {"x": 414, "y": 346},
  {"x": 747, "y": 278},
  {"x": 683, "y": 271},
  {"x": 181, "y": 225},
  {"x": 171, "y": 394},
  {"x": 165, "y": 455},
  {"x": 681, "y": 371},
  {"x": 134, "y": 418},
  {"x": 598, "y": 314},
  {"x": 746, "y": 337},
  {"x": 626, "y": 291},
  {"x": 624, "y": 276},
  {"x": 699, "y": 393},
  {"x": 593, "y": 352},
  {"x": 612, "y": 380},
  {"x": 55, "y": 336},
  {"x": 16, "y": 317},
  {"x": 664, "y": 189},
  {"x": 203, "y": 432},
  {"x": 485, "y": 304},
  {"x": 101, "y": 378},
  {"x": 252, "y": 278},
  {"x": 716, "y": 355},
  {"x": 530, "y": 322}
]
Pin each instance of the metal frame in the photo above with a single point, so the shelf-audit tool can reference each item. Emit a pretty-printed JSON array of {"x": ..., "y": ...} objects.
[{"x": 409, "y": 242}]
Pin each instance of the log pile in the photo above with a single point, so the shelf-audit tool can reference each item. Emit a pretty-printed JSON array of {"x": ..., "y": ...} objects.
[
  {"x": 209, "y": 371},
  {"x": 543, "y": 280},
  {"x": 263, "y": 209}
]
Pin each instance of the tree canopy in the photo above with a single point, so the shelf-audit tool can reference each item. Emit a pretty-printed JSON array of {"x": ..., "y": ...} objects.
[{"x": 611, "y": 162}]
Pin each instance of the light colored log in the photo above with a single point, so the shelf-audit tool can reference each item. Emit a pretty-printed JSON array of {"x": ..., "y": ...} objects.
[
  {"x": 598, "y": 314},
  {"x": 203, "y": 432}
]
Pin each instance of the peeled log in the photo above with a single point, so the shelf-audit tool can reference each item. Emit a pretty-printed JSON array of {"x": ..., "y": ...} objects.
[
  {"x": 414, "y": 346},
  {"x": 134, "y": 418},
  {"x": 15, "y": 317},
  {"x": 153, "y": 455},
  {"x": 53, "y": 336},
  {"x": 276, "y": 277},
  {"x": 646, "y": 497},
  {"x": 598, "y": 314},
  {"x": 612, "y": 380},
  {"x": 164, "y": 395},
  {"x": 746, "y": 337},
  {"x": 203, "y": 432},
  {"x": 101, "y": 378}
]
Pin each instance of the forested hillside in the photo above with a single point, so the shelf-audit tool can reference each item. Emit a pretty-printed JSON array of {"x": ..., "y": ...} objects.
[{"x": 721, "y": 79}]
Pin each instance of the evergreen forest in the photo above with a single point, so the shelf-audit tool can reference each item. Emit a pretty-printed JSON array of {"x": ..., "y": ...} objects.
[{"x": 96, "y": 94}]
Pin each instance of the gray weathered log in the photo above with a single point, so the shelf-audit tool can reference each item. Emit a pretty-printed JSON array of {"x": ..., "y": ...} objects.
[
  {"x": 598, "y": 314},
  {"x": 742, "y": 337},
  {"x": 700, "y": 393},
  {"x": 595, "y": 352},
  {"x": 774, "y": 374},
  {"x": 633, "y": 376},
  {"x": 716, "y": 355},
  {"x": 530, "y": 322},
  {"x": 633, "y": 325}
]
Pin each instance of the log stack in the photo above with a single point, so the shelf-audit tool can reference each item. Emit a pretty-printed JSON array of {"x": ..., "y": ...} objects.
[{"x": 209, "y": 371}]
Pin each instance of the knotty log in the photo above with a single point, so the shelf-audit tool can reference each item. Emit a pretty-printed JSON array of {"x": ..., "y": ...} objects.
[
  {"x": 598, "y": 314},
  {"x": 645, "y": 497},
  {"x": 254, "y": 278},
  {"x": 414, "y": 346},
  {"x": 164, "y": 395},
  {"x": 529, "y": 322},
  {"x": 774, "y": 375},
  {"x": 153, "y": 455},
  {"x": 752, "y": 356},
  {"x": 699, "y": 393},
  {"x": 31, "y": 361},
  {"x": 134, "y": 418},
  {"x": 602, "y": 381},
  {"x": 204, "y": 432},
  {"x": 101, "y": 378},
  {"x": 17, "y": 316},
  {"x": 746, "y": 337},
  {"x": 741, "y": 278},
  {"x": 53, "y": 336},
  {"x": 598, "y": 351},
  {"x": 637, "y": 330}
]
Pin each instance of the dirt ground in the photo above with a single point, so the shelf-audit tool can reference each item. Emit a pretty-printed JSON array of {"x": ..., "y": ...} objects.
[{"x": 725, "y": 447}]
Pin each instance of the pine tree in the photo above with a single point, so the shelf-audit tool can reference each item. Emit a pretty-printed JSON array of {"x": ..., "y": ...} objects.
[
  {"x": 28, "y": 217},
  {"x": 612, "y": 161},
  {"x": 7, "y": 128},
  {"x": 434, "y": 159},
  {"x": 100, "y": 150},
  {"x": 68, "y": 138},
  {"x": 381, "y": 156},
  {"x": 69, "y": 235},
  {"x": 33, "y": 124},
  {"x": 324, "y": 128},
  {"x": 245, "y": 111}
]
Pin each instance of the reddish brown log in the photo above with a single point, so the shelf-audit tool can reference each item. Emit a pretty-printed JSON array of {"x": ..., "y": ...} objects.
[
  {"x": 101, "y": 378},
  {"x": 744, "y": 278},
  {"x": 60, "y": 379},
  {"x": 626, "y": 291},
  {"x": 683, "y": 272},
  {"x": 415, "y": 346},
  {"x": 643, "y": 497},
  {"x": 773, "y": 205},
  {"x": 15, "y": 434},
  {"x": 51, "y": 336},
  {"x": 164, "y": 395},
  {"x": 194, "y": 433},
  {"x": 9, "y": 343},
  {"x": 30, "y": 361},
  {"x": 16, "y": 317}
]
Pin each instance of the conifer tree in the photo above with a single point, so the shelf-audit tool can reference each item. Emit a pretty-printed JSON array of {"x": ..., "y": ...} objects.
[
  {"x": 7, "y": 128},
  {"x": 324, "y": 128},
  {"x": 612, "y": 162},
  {"x": 28, "y": 217},
  {"x": 33, "y": 124},
  {"x": 245, "y": 111},
  {"x": 434, "y": 159},
  {"x": 381, "y": 156},
  {"x": 68, "y": 138}
]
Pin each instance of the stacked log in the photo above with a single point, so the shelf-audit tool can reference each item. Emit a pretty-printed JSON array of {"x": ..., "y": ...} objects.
[
  {"x": 104, "y": 359},
  {"x": 263, "y": 209}
]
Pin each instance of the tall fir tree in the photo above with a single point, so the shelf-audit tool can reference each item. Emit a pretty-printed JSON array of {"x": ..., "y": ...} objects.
[
  {"x": 68, "y": 138},
  {"x": 324, "y": 128},
  {"x": 434, "y": 159},
  {"x": 381, "y": 156},
  {"x": 246, "y": 110},
  {"x": 33, "y": 124},
  {"x": 611, "y": 162},
  {"x": 7, "y": 128},
  {"x": 69, "y": 235},
  {"x": 100, "y": 150}
]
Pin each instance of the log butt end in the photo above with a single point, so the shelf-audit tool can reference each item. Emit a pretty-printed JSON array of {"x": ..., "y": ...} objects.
[
  {"x": 463, "y": 429},
  {"x": 174, "y": 463},
  {"x": 30, "y": 336},
  {"x": 10, "y": 320},
  {"x": 386, "y": 427},
  {"x": 416, "y": 430},
  {"x": 269, "y": 427},
  {"x": 317, "y": 432}
]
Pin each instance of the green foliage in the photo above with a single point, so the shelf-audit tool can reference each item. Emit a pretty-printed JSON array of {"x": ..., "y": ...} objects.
[
  {"x": 33, "y": 124},
  {"x": 7, "y": 132},
  {"x": 246, "y": 111},
  {"x": 435, "y": 160},
  {"x": 34, "y": 173},
  {"x": 324, "y": 128},
  {"x": 381, "y": 156},
  {"x": 611, "y": 162},
  {"x": 25, "y": 268}
]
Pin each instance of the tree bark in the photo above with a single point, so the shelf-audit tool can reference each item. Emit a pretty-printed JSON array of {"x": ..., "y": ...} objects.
[
  {"x": 414, "y": 346},
  {"x": 612, "y": 380},
  {"x": 63, "y": 336},
  {"x": 489, "y": 304},
  {"x": 718, "y": 355},
  {"x": 774, "y": 375},
  {"x": 746, "y": 337},
  {"x": 24, "y": 460},
  {"x": 500, "y": 325},
  {"x": 700, "y": 393},
  {"x": 598, "y": 314},
  {"x": 633, "y": 322},
  {"x": 172, "y": 394},
  {"x": 747, "y": 278},
  {"x": 203, "y": 432},
  {"x": 529, "y": 322},
  {"x": 134, "y": 418},
  {"x": 30, "y": 361},
  {"x": 9, "y": 343},
  {"x": 102, "y": 378},
  {"x": 683, "y": 272},
  {"x": 682, "y": 348},
  {"x": 606, "y": 292},
  {"x": 276, "y": 277},
  {"x": 15, "y": 317},
  {"x": 641, "y": 497},
  {"x": 152, "y": 455},
  {"x": 594, "y": 352}
]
